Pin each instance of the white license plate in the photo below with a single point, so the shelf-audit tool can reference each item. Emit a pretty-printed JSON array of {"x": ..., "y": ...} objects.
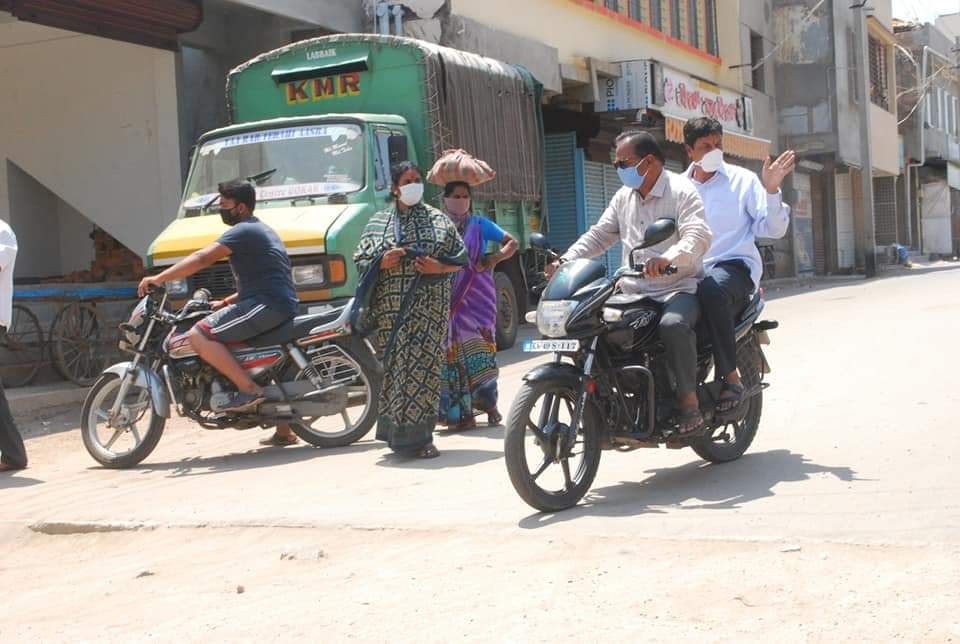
[{"x": 551, "y": 346}]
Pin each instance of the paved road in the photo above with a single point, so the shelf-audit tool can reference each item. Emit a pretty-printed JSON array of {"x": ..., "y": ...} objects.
[{"x": 842, "y": 522}]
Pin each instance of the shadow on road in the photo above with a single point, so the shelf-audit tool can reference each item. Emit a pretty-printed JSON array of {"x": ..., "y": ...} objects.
[
  {"x": 9, "y": 480},
  {"x": 483, "y": 431},
  {"x": 697, "y": 486},
  {"x": 449, "y": 458},
  {"x": 253, "y": 459}
]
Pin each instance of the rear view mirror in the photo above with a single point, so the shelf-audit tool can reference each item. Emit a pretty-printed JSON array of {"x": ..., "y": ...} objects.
[
  {"x": 397, "y": 148},
  {"x": 539, "y": 241},
  {"x": 656, "y": 233}
]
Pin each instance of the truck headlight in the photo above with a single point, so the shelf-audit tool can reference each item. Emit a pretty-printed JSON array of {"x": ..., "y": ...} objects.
[
  {"x": 308, "y": 275},
  {"x": 552, "y": 317},
  {"x": 177, "y": 288}
]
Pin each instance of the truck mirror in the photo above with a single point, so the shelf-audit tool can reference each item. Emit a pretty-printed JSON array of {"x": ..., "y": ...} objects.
[{"x": 397, "y": 148}]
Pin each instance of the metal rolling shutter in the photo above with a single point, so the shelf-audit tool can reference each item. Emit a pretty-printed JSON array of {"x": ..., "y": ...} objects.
[
  {"x": 561, "y": 184},
  {"x": 601, "y": 182}
]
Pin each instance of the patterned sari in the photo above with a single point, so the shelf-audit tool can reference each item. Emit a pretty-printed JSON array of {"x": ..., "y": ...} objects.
[
  {"x": 471, "y": 373},
  {"x": 413, "y": 368}
]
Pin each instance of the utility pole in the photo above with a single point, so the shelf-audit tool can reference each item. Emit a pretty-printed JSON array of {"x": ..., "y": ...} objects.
[{"x": 866, "y": 246}]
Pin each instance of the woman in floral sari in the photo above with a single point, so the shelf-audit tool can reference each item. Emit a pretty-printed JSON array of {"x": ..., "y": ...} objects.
[
  {"x": 415, "y": 248},
  {"x": 471, "y": 373}
]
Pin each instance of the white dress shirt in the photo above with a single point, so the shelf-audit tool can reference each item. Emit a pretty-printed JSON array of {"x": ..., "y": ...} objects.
[
  {"x": 738, "y": 210},
  {"x": 8, "y": 254},
  {"x": 627, "y": 217}
]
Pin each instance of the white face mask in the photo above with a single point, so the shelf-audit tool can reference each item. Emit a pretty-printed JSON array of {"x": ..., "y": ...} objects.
[
  {"x": 411, "y": 194},
  {"x": 712, "y": 160}
]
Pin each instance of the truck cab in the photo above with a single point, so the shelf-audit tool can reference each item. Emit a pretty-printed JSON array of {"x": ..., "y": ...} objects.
[{"x": 319, "y": 179}]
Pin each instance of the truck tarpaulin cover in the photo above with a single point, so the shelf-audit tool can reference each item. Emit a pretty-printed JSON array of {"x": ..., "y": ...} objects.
[{"x": 488, "y": 108}]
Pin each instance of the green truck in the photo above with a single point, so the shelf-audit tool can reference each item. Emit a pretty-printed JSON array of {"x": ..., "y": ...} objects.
[{"x": 320, "y": 122}]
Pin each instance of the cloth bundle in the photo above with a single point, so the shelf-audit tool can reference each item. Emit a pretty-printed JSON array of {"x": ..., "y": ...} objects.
[{"x": 459, "y": 165}]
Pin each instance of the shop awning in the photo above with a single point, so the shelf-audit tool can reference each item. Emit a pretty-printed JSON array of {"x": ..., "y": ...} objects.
[
  {"x": 154, "y": 23},
  {"x": 738, "y": 145}
]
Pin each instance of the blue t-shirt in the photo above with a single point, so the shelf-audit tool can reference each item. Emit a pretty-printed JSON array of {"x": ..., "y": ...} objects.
[
  {"x": 260, "y": 265},
  {"x": 491, "y": 232}
]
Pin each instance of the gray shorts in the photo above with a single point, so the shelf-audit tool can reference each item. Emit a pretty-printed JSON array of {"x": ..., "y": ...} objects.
[{"x": 241, "y": 321}]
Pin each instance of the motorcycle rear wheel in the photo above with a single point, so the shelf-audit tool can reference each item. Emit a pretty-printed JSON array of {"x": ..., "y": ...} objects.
[
  {"x": 95, "y": 412},
  {"x": 520, "y": 435}
]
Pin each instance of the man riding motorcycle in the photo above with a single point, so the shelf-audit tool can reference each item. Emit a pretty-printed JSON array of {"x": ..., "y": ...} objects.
[
  {"x": 651, "y": 192},
  {"x": 265, "y": 299},
  {"x": 739, "y": 208}
]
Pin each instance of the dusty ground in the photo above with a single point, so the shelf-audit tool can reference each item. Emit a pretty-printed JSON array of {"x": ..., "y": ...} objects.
[{"x": 840, "y": 524}]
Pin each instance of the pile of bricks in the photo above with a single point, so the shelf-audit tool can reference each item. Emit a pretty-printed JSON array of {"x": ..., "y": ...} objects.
[{"x": 113, "y": 262}]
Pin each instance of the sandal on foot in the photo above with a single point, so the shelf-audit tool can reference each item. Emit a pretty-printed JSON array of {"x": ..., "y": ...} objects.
[
  {"x": 728, "y": 403},
  {"x": 427, "y": 451},
  {"x": 689, "y": 424},
  {"x": 278, "y": 440},
  {"x": 494, "y": 418}
]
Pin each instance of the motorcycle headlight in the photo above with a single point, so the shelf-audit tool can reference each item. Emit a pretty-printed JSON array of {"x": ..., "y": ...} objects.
[
  {"x": 552, "y": 317},
  {"x": 177, "y": 288}
]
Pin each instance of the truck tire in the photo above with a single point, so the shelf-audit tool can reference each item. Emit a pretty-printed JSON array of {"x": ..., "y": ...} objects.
[{"x": 508, "y": 311}]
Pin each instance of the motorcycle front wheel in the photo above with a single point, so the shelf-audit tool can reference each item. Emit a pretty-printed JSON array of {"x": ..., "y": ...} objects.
[
  {"x": 132, "y": 434},
  {"x": 551, "y": 464}
]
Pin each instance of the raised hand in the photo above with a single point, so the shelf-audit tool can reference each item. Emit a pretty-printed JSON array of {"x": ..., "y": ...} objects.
[{"x": 774, "y": 172}]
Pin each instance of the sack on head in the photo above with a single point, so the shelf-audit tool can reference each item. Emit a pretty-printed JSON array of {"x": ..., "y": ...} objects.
[{"x": 459, "y": 165}]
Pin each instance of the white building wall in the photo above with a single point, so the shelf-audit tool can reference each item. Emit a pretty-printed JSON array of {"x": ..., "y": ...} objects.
[{"x": 95, "y": 122}]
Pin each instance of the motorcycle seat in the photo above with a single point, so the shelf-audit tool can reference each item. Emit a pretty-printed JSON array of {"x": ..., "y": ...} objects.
[{"x": 297, "y": 327}]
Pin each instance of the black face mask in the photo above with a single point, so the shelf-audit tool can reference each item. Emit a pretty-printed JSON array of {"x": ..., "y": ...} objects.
[{"x": 229, "y": 217}]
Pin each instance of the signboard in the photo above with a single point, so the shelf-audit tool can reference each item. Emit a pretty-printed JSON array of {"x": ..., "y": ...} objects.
[
  {"x": 686, "y": 97},
  {"x": 646, "y": 83},
  {"x": 803, "y": 224},
  {"x": 629, "y": 92}
]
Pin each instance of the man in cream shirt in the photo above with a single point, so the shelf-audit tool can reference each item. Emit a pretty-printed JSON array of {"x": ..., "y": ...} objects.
[
  {"x": 651, "y": 192},
  {"x": 12, "y": 454}
]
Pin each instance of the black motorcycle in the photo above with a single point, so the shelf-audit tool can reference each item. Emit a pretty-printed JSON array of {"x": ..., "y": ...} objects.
[
  {"x": 609, "y": 386},
  {"x": 311, "y": 368}
]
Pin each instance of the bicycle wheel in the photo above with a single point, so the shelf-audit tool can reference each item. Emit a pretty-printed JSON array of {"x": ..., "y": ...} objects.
[
  {"x": 21, "y": 350},
  {"x": 75, "y": 344}
]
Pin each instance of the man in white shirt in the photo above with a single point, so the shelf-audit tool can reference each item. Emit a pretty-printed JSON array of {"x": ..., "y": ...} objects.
[
  {"x": 12, "y": 454},
  {"x": 651, "y": 192},
  {"x": 739, "y": 208}
]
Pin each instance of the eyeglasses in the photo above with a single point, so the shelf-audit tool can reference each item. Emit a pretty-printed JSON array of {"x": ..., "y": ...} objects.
[{"x": 621, "y": 165}]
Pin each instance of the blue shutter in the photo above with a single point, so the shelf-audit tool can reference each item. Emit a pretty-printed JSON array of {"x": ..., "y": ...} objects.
[{"x": 561, "y": 180}]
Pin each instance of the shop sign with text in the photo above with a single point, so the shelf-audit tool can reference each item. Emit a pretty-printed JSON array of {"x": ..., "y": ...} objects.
[{"x": 686, "y": 97}]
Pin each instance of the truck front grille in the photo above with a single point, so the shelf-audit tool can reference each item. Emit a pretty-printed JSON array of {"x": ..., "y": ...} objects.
[{"x": 218, "y": 279}]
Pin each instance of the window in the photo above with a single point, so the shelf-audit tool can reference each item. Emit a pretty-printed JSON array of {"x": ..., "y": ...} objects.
[
  {"x": 611, "y": 5},
  {"x": 656, "y": 15},
  {"x": 676, "y": 19},
  {"x": 756, "y": 55},
  {"x": 636, "y": 11},
  {"x": 956, "y": 117},
  {"x": 853, "y": 76},
  {"x": 711, "y": 20},
  {"x": 879, "y": 84},
  {"x": 693, "y": 17}
]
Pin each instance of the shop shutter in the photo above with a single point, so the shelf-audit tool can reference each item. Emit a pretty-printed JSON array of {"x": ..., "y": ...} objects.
[
  {"x": 600, "y": 183},
  {"x": 885, "y": 210},
  {"x": 561, "y": 186}
]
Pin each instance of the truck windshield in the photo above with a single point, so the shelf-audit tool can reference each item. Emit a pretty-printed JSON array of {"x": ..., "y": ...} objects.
[{"x": 310, "y": 161}]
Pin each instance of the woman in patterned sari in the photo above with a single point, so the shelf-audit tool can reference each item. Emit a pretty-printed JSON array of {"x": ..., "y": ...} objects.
[
  {"x": 416, "y": 249},
  {"x": 471, "y": 374}
]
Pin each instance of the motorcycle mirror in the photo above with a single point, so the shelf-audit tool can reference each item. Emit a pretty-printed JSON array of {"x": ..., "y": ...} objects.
[
  {"x": 539, "y": 241},
  {"x": 659, "y": 231}
]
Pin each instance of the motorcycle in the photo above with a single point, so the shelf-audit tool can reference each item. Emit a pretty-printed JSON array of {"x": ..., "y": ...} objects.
[
  {"x": 310, "y": 368},
  {"x": 609, "y": 386}
]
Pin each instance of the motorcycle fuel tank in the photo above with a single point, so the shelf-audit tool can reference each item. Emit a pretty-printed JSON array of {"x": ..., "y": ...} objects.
[{"x": 572, "y": 277}]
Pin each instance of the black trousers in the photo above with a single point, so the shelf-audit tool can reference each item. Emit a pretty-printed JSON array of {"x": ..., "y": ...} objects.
[
  {"x": 12, "y": 451},
  {"x": 724, "y": 293}
]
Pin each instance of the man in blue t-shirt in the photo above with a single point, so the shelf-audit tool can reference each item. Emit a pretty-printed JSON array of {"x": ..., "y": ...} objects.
[{"x": 265, "y": 297}]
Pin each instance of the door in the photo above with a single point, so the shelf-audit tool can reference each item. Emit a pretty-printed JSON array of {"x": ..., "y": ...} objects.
[
  {"x": 935, "y": 218},
  {"x": 846, "y": 237},
  {"x": 803, "y": 224}
]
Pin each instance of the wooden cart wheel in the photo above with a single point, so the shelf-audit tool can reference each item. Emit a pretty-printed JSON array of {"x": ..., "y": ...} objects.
[
  {"x": 21, "y": 348},
  {"x": 75, "y": 342}
]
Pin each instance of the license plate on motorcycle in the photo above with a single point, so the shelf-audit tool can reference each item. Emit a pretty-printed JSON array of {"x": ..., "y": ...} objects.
[{"x": 551, "y": 346}]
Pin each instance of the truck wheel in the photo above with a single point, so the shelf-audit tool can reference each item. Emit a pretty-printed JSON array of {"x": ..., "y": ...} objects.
[{"x": 507, "y": 312}]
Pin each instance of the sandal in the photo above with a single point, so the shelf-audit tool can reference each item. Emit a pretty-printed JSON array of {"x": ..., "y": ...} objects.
[
  {"x": 494, "y": 418},
  {"x": 278, "y": 440},
  {"x": 427, "y": 451},
  {"x": 689, "y": 423},
  {"x": 727, "y": 404}
]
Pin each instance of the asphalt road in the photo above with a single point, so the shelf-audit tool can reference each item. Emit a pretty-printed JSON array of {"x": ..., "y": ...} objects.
[{"x": 841, "y": 523}]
